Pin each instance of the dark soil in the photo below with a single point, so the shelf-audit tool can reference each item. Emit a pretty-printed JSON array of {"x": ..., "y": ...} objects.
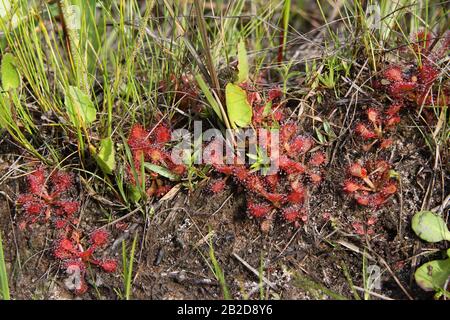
[{"x": 174, "y": 238}]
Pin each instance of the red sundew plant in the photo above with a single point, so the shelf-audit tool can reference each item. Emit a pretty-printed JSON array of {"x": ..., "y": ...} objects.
[
  {"x": 150, "y": 147},
  {"x": 217, "y": 185},
  {"x": 278, "y": 192},
  {"x": 76, "y": 258},
  {"x": 365, "y": 227},
  {"x": 378, "y": 126},
  {"x": 370, "y": 184},
  {"x": 266, "y": 112},
  {"x": 48, "y": 198},
  {"x": 415, "y": 84}
]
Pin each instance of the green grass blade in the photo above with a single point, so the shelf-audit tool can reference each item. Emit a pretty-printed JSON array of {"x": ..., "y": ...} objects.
[
  {"x": 218, "y": 272},
  {"x": 4, "y": 288},
  {"x": 128, "y": 267}
]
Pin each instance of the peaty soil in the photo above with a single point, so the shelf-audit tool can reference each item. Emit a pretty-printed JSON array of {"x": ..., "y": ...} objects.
[{"x": 321, "y": 259}]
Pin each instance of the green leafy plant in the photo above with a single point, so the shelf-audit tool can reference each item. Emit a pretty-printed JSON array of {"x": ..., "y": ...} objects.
[
  {"x": 10, "y": 75},
  {"x": 430, "y": 227},
  {"x": 238, "y": 108},
  {"x": 243, "y": 66},
  {"x": 261, "y": 161},
  {"x": 80, "y": 108},
  {"x": 105, "y": 156},
  {"x": 433, "y": 275}
]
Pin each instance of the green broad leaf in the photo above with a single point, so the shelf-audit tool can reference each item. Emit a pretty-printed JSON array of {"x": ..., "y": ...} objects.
[
  {"x": 166, "y": 173},
  {"x": 238, "y": 109},
  {"x": 106, "y": 156},
  {"x": 80, "y": 107},
  {"x": 242, "y": 63},
  {"x": 433, "y": 275},
  {"x": 430, "y": 227},
  {"x": 134, "y": 193},
  {"x": 10, "y": 75}
]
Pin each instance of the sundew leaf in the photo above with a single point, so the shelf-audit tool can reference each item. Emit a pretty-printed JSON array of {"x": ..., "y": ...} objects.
[
  {"x": 242, "y": 63},
  {"x": 433, "y": 275},
  {"x": 238, "y": 109},
  {"x": 166, "y": 173},
  {"x": 106, "y": 156},
  {"x": 430, "y": 227},
  {"x": 10, "y": 75},
  {"x": 79, "y": 106}
]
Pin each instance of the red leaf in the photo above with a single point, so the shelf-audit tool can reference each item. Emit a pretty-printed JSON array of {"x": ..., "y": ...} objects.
[
  {"x": 296, "y": 197},
  {"x": 294, "y": 213},
  {"x": 394, "y": 74},
  {"x": 161, "y": 134},
  {"x": 37, "y": 182},
  {"x": 109, "y": 265},
  {"x": 373, "y": 116},
  {"x": 357, "y": 170},
  {"x": 217, "y": 186},
  {"x": 61, "y": 182},
  {"x": 401, "y": 88},
  {"x": 386, "y": 143},
  {"x": 258, "y": 210},
  {"x": 364, "y": 132},
  {"x": 99, "y": 237},
  {"x": 393, "y": 109},
  {"x": 317, "y": 159}
]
